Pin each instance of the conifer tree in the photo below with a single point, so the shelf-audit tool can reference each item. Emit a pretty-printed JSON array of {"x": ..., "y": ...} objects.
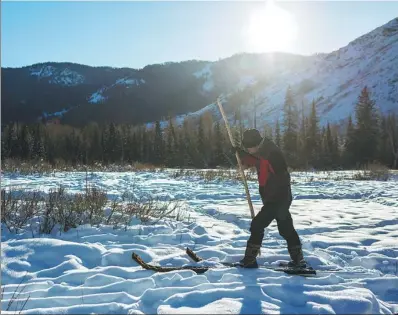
[
  {"x": 171, "y": 144},
  {"x": 277, "y": 138},
  {"x": 158, "y": 144},
  {"x": 350, "y": 145},
  {"x": 26, "y": 143},
  {"x": 384, "y": 142},
  {"x": 302, "y": 140},
  {"x": 39, "y": 150},
  {"x": 290, "y": 131},
  {"x": 201, "y": 147},
  {"x": 218, "y": 145},
  {"x": 392, "y": 131},
  {"x": 367, "y": 130},
  {"x": 313, "y": 137}
]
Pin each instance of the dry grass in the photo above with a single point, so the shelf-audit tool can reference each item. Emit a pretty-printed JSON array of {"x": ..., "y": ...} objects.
[
  {"x": 373, "y": 171},
  {"x": 43, "y": 167},
  {"x": 15, "y": 304},
  {"x": 215, "y": 174},
  {"x": 60, "y": 211}
]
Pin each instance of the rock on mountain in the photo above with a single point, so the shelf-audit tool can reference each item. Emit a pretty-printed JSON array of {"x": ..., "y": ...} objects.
[{"x": 80, "y": 94}]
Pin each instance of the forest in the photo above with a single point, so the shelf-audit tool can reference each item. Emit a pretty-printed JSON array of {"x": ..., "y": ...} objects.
[{"x": 368, "y": 137}]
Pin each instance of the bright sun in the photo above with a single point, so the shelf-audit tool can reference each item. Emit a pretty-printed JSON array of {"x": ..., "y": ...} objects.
[{"x": 271, "y": 29}]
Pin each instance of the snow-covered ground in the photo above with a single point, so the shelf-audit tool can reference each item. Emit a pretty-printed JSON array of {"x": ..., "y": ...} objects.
[{"x": 351, "y": 225}]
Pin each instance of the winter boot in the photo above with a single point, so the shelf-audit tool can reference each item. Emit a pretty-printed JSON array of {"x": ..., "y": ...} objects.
[
  {"x": 296, "y": 254},
  {"x": 250, "y": 261}
]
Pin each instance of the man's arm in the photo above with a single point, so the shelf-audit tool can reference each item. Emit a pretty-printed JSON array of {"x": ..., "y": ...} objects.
[{"x": 247, "y": 159}]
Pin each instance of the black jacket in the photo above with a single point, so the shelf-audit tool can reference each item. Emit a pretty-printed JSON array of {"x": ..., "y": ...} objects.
[{"x": 273, "y": 176}]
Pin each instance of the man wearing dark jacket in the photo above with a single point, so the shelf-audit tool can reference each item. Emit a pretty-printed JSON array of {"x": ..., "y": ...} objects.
[{"x": 276, "y": 195}]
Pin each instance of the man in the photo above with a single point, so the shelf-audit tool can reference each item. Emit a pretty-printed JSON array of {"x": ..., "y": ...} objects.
[{"x": 276, "y": 195}]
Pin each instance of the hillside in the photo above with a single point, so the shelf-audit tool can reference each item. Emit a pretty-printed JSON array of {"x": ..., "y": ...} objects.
[
  {"x": 332, "y": 80},
  {"x": 79, "y": 94}
]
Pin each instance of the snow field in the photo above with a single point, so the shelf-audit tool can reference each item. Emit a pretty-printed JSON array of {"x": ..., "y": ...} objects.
[{"x": 347, "y": 225}]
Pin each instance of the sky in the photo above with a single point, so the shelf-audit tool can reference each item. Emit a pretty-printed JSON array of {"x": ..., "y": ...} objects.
[{"x": 135, "y": 34}]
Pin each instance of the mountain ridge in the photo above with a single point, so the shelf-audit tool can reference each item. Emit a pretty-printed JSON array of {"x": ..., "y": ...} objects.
[{"x": 80, "y": 94}]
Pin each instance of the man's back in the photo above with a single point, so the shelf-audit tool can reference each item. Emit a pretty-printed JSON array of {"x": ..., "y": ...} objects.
[
  {"x": 277, "y": 186},
  {"x": 271, "y": 152}
]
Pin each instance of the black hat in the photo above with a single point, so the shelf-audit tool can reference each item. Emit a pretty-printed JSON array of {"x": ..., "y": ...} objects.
[{"x": 251, "y": 138}]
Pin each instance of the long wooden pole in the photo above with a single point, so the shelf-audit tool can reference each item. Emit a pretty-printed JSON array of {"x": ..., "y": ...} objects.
[{"x": 242, "y": 173}]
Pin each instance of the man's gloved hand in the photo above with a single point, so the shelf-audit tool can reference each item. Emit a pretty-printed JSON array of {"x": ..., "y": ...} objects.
[{"x": 237, "y": 149}]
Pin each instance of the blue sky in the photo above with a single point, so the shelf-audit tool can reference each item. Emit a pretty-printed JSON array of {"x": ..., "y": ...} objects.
[{"x": 134, "y": 34}]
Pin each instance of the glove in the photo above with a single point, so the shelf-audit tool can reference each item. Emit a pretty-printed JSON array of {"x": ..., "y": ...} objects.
[{"x": 237, "y": 149}]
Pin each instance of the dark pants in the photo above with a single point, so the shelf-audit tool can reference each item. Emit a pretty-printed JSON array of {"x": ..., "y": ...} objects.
[{"x": 280, "y": 212}]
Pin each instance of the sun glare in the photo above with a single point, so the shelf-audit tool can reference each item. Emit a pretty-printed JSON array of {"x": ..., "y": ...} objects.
[{"x": 271, "y": 29}]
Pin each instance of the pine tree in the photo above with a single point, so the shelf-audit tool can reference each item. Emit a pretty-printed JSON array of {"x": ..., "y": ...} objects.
[
  {"x": 104, "y": 145},
  {"x": 368, "y": 131},
  {"x": 158, "y": 144},
  {"x": 219, "y": 158},
  {"x": 392, "y": 131},
  {"x": 144, "y": 145},
  {"x": 39, "y": 150},
  {"x": 201, "y": 147},
  {"x": 313, "y": 137},
  {"x": 384, "y": 143},
  {"x": 171, "y": 145},
  {"x": 350, "y": 145},
  {"x": 110, "y": 143},
  {"x": 50, "y": 145},
  {"x": 124, "y": 141},
  {"x": 290, "y": 132},
  {"x": 302, "y": 140},
  {"x": 335, "y": 150},
  {"x": 96, "y": 150},
  {"x": 114, "y": 144},
  {"x": 328, "y": 147},
  {"x": 4, "y": 143},
  {"x": 134, "y": 144},
  {"x": 26, "y": 143},
  {"x": 187, "y": 145},
  {"x": 11, "y": 141},
  {"x": 278, "y": 140}
]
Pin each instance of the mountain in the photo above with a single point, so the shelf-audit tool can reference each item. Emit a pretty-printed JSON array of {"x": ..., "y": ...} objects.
[
  {"x": 333, "y": 81},
  {"x": 79, "y": 94}
]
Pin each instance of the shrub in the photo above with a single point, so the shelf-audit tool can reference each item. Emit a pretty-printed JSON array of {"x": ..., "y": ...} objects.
[
  {"x": 65, "y": 211},
  {"x": 17, "y": 212},
  {"x": 373, "y": 171}
]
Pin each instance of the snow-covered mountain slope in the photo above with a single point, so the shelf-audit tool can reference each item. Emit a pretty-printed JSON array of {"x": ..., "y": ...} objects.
[
  {"x": 195, "y": 116},
  {"x": 343, "y": 224},
  {"x": 190, "y": 88},
  {"x": 54, "y": 75},
  {"x": 333, "y": 80},
  {"x": 100, "y": 95}
]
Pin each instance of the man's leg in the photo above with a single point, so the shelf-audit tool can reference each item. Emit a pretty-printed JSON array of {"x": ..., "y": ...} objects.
[
  {"x": 259, "y": 223},
  {"x": 262, "y": 220},
  {"x": 289, "y": 233}
]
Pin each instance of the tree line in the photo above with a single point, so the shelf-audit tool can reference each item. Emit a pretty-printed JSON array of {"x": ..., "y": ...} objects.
[{"x": 368, "y": 137}]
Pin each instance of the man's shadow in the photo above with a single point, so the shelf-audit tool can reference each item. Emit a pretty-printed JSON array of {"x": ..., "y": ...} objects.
[
  {"x": 286, "y": 299},
  {"x": 251, "y": 303}
]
